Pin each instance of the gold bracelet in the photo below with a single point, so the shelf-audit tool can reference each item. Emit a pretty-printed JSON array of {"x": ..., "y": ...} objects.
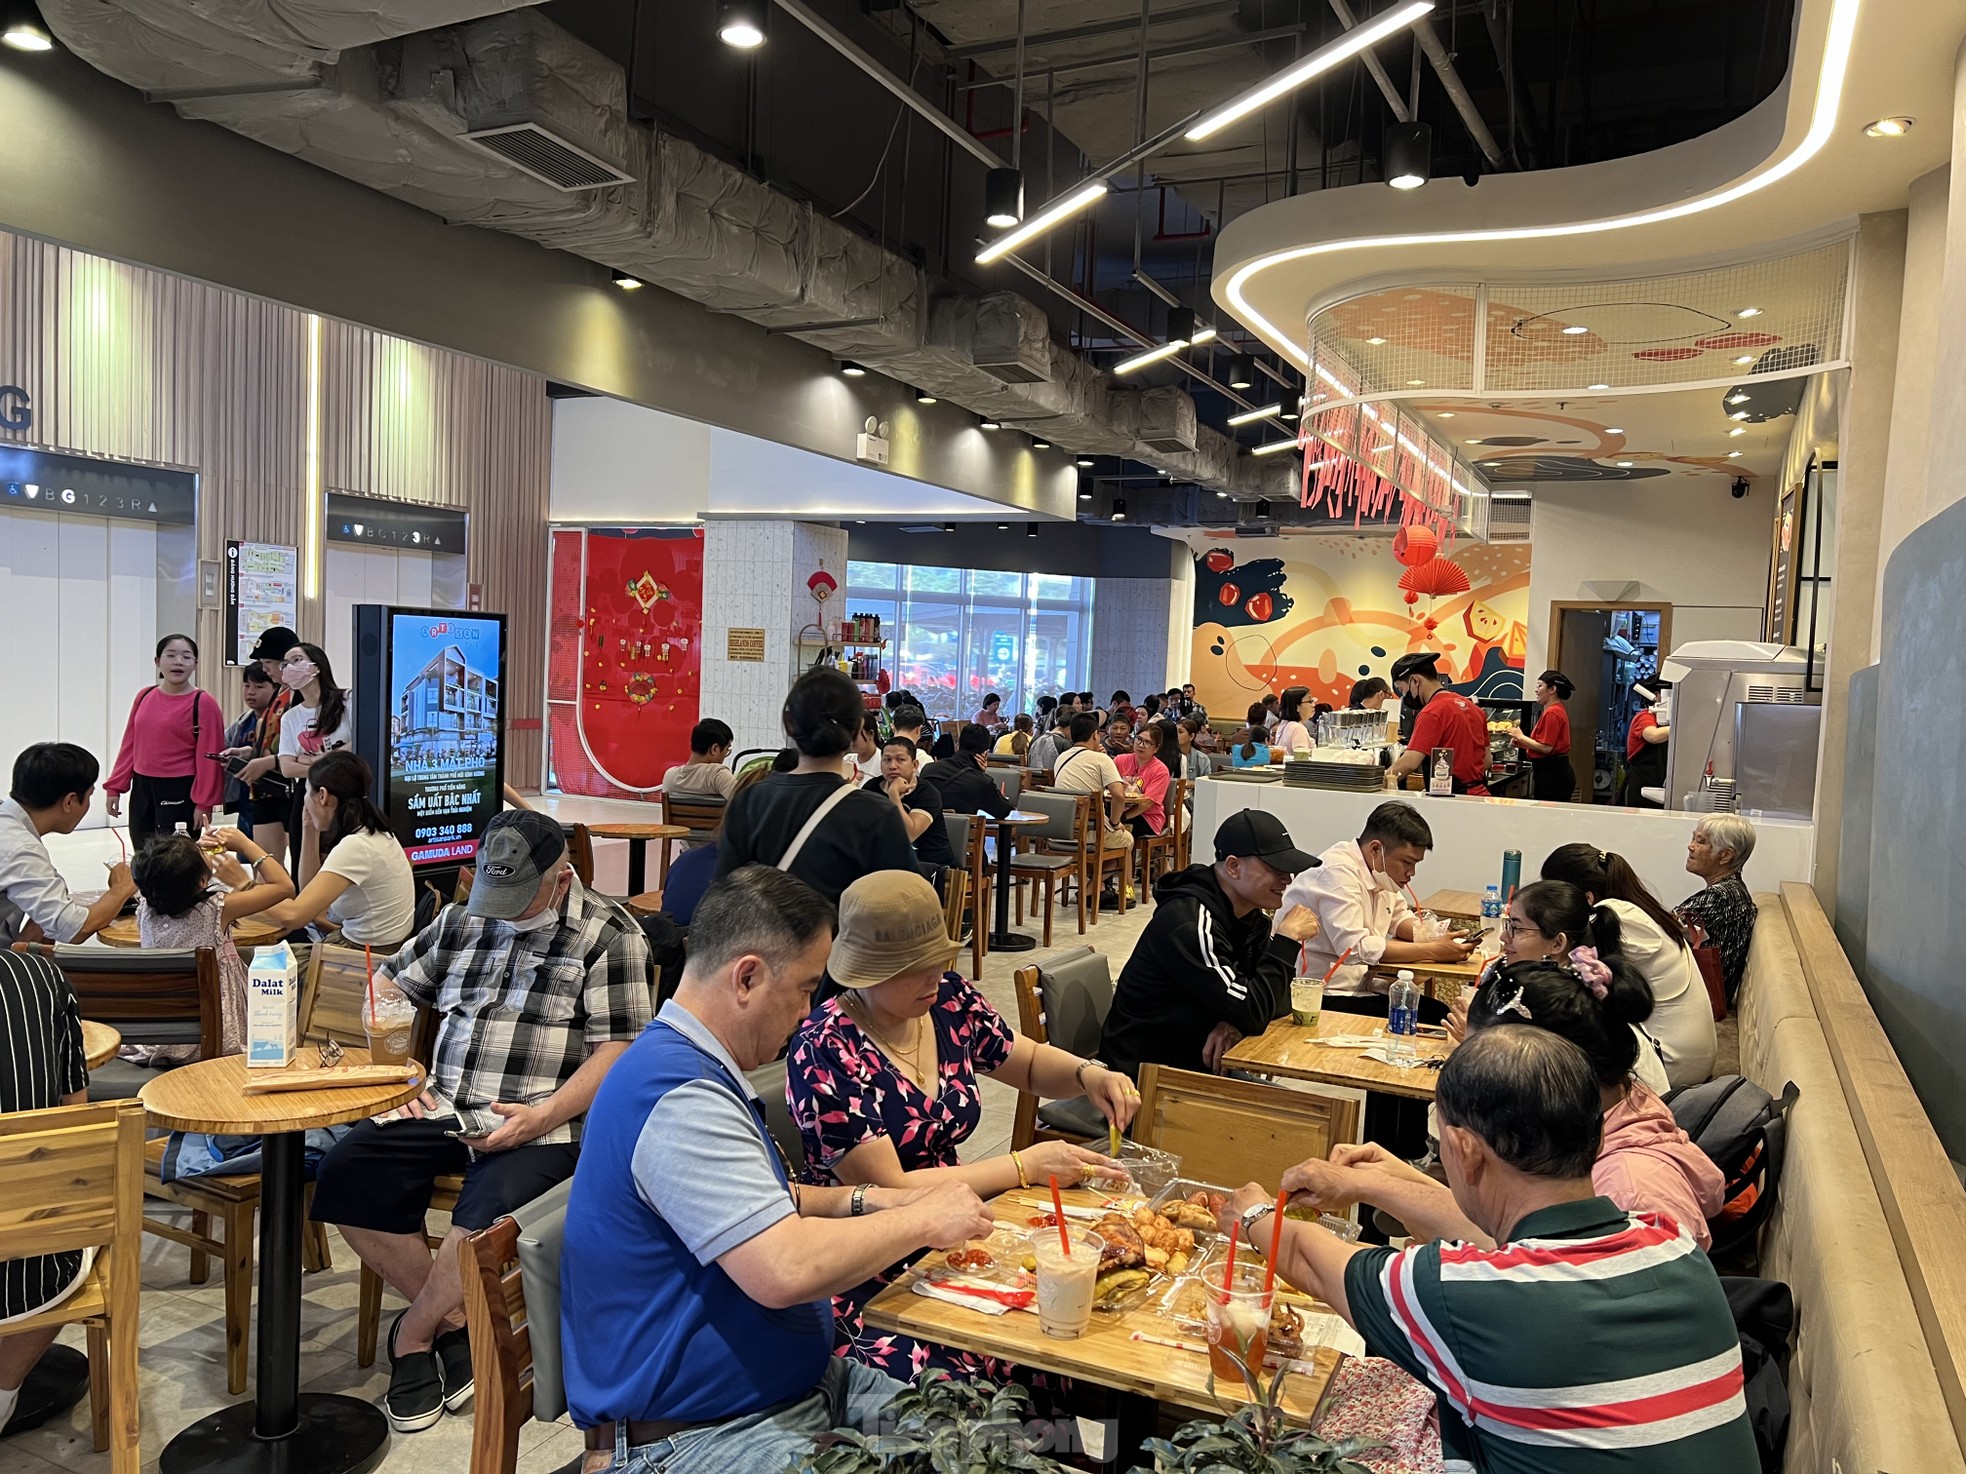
[{"x": 1017, "y": 1161}]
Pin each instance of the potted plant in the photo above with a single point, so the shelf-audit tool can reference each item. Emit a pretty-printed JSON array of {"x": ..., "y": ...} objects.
[
  {"x": 1254, "y": 1438},
  {"x": 939, "y": 1425}
]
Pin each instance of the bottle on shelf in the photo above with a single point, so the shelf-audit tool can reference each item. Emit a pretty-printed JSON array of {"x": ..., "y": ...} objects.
[{"x": 1403, "y": 1020}]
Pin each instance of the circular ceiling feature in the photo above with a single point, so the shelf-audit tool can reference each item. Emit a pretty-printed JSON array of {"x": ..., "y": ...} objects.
[{"x": 1621, "y": 324}]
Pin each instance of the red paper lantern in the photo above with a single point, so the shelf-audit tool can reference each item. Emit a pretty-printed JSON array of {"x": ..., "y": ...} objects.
[
  {"x": 1229, "y": 596},
  {"x": 1411, "y": 597},
  {"x": 1430, "y": 624},
  {"x": 1415, "y": 544},
  {"x": 1434, "y": 577}
]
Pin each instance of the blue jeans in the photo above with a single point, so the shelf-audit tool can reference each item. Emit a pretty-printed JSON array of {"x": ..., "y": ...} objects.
[{"x": 850, "y": 1395}]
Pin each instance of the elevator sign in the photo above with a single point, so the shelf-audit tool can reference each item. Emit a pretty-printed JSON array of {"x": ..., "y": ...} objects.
[{"x": 43, "y": 481}]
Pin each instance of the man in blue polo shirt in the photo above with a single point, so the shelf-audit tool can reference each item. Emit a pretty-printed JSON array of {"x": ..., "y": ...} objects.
[{"x": 696, "y": 1277}]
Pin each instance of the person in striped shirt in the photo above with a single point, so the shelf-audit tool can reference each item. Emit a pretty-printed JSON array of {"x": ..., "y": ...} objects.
[{"x": 1590, "y": 1340}]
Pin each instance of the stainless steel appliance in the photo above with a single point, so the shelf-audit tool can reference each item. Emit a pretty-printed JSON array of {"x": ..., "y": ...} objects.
[{"x": 1711, "y": 681}]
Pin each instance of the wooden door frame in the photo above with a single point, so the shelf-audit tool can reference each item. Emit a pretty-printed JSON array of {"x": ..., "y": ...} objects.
[{"x": 1553, "y": 644}]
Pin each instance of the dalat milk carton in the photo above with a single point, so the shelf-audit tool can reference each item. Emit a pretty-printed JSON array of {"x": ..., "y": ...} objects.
[{"x": 272, "y": 1008}]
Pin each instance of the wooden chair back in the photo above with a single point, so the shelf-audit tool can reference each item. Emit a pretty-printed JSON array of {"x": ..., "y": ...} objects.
[
  {"x": 955, "y": 896},
  {"x": 153, "y": 995},
  {"x": 501, "y": 1345},
  {"x": 1179, "y": 793},
  {"x": 1236, "y": 1131},
  {"x": 703, "y": 817},
  {"x": 339, "y": 978},
  {"x": 580, "y": 849},
  {"x": 966, "y": 839},
  {"x": 461, "y": 892},
  {"x": 1030, "y": 1023}
]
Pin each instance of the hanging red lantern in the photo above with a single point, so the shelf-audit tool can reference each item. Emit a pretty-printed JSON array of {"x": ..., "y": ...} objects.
[
  {"x": 1429, "y": 624},
  {"x": 1411, "y": 597},
  {"x": 1435, "y": 577},
  {"x": 1415, "y": 544},
  {"x": 1229, "y": 596}
]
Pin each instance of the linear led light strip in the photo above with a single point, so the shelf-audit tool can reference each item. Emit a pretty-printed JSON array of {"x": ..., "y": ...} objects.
[
  {"x": 1166, "y": 350},
  {"x": 1829, "y": 90},
  {"x": 1317, "y": 63}
]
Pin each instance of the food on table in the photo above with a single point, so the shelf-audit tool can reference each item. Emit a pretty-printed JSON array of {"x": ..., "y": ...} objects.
[
  {"x": 1159, "y": 1232},
  {"x": 1125, "y": 1248},
  {"x": 971, "y": 1259},
  {"x": 1043, "y": 1220},
  {"x": 1286, "y": 1332},
  {"x": 1116, "y": 1282},
  {"x": 1199, "y": 1210}
]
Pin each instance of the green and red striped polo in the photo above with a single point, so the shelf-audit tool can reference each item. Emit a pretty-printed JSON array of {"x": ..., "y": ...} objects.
[{"x": 1594, "y": 1341}]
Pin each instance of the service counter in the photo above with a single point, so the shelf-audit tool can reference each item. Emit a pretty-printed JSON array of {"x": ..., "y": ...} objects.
[{"x": 1471, "y": 833}]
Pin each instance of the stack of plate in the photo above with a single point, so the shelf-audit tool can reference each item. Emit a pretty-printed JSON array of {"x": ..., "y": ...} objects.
[{"x": 1351, "y": 777}]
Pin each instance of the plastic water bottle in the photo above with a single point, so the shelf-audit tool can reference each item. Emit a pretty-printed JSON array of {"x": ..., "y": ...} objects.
[
  {"x": 1491, "y": 904},
  {"x": 1403, "y": 1021}
]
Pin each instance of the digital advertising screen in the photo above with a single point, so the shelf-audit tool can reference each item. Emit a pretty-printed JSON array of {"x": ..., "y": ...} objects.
[{"x": 445, "y": 738}]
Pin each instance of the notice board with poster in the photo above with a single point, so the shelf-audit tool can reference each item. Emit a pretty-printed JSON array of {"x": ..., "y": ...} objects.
[
  {"x": 262, "y": 589},
  {"x": 430, "y": 721}
]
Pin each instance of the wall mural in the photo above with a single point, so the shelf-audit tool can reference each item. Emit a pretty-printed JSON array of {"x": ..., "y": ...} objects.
[
  {"x": 1323, "y": 612},
  {"x": 624, "y": 657}
]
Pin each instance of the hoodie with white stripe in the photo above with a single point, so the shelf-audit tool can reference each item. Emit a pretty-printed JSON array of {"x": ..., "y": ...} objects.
[{"x": 1196, "y": 965}]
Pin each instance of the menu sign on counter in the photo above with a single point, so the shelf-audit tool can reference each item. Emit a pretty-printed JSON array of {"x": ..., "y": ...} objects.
[{"x": 262, "y": 589}]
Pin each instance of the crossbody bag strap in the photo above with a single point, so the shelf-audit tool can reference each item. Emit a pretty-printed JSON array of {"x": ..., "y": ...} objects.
[{"x": 833, "y": 801}]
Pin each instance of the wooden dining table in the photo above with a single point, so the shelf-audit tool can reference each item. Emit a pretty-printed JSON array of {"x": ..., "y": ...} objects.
[
  {"x": 247, "y": 931},
  {"x": 282, "y": 1430},
  {"x": 1453, "y": 903},
  {"x": 99, "y": 1043},
  {"x": 1113, "y": 1352},
  {"x": 1289, "y": 1051},
  {"x": 638, "y": 837}
]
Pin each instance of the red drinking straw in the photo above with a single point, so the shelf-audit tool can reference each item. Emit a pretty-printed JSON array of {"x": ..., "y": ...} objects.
[
  {"x": 1340, "y": 962},
  {"x": 1229, "y": 1270},
  {"x": 369, "y": 957},
  {"x": 1058, "y": 1205},
  {"x": 1276, "y": 1244}
]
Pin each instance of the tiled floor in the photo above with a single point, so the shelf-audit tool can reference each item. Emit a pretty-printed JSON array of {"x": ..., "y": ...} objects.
[{"x": 182, "y": 1368}]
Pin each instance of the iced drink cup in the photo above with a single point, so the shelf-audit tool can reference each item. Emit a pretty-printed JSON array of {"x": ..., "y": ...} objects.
[
  {"x": 390, "y": 1023},
  {"x": 1306, "y": 1001},
  {"x": 1238, "y": 1323},
  {"x": 1065, "y": 1285}
]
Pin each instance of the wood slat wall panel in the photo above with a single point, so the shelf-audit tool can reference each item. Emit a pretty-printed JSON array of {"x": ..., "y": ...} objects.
[{"x": 135, "y": 364}]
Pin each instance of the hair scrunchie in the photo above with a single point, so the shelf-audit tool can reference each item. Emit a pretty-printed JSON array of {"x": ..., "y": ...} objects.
[{"x": 1591, "y": 971}]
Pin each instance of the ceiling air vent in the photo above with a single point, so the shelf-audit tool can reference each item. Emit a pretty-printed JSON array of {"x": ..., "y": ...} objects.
[
  {"x": 547, "y": 157},
  {"x": 1508, "y": 520}
]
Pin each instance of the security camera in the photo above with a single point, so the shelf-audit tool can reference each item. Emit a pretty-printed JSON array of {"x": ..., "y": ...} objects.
[{"x": 1739, "y": 489}]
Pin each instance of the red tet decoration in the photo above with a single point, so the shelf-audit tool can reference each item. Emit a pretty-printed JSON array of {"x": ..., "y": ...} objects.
[
  {"x": 1411, "y": 597},
  {"x": 1416, "y": 543},
  {"x": 1434, "y": 577}
]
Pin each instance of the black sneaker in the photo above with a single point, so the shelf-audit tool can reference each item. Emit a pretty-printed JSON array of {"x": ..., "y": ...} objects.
[
  {"x": 454, "y": 1355},
  {"x": 54, "y": 1384},
  {"x": 415, "y": 1398}
]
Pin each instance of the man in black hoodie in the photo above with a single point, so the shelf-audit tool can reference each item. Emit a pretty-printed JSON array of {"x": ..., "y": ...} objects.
[
  {"x": 966, "y": 787},
  {"x": 1207, "y": 971}
]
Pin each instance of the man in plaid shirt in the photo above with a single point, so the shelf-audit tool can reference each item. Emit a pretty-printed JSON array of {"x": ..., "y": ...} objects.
[{"x": 539, "y": 985}]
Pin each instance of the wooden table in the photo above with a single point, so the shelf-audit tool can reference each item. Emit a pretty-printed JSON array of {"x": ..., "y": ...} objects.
[
  {"x": 1453, "y": 903},
  {"x": 1002, "y": 938},
  {"x": 247, "y": 931},
  {"x": 284, "y": 1431},
  {"x": 638, "y": 837},
  {"x": 1106, "y": 1354},
  {"x": 1286, "y": 1051},
  {"x": 99, "y": 1043}
]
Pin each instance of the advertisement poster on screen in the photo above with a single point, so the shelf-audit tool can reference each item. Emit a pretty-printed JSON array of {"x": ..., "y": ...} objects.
[
  {"x": 445, "y": 740},
  {"x": 262, "y": 589}
]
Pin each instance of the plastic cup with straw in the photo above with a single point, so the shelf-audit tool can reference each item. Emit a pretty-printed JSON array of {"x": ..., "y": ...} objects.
[
  {"x": 1238, "y": 1318},
  {"x": 1068, "y": 1276}
]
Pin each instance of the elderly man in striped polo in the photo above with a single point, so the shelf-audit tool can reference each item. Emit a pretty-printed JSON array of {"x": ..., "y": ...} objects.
[{"x": 1586, "y": 1338}]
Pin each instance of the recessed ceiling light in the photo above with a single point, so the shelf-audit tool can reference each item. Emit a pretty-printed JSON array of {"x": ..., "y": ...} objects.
[
  {"x": 1737, "y": 430},
  {"x": 1416, "y": 383},
  {"x": 1084, "y": 463},
  {"x": 1889, "y": 128},
  {"x": 1624, "y": 465},
  {"x": 989, "y": 425},
  {"x": 1119, "y": 509},
  {"x": 1614, "y": 429},
  {"x": 1745, "y": 358},
  {"x": 741, "y": 23},
  {"x": 1085, "y": 493},
  {"x": 26, "y": 33},
  {"x": 1376, "y": 342},
  {"x": 621, "y": 279},
  {"x": 1575, "y": 329},
  {"x": 1748, "y": 312},
  {"x": 1733, "y": 455},
  {"x": 1222, "y": 495},
  {"x": 852, "y": 370},
  {"x": 1739, "y": 414},
  {"x": 1599, "y": 386},
  {"x": 1737, "y": 399},
  {"x": 922, "y": 396},
  {"x": 1003, "y": 527},
  {"x": 1447, "y": 414},
  {"x": 1040, "y": 445}
]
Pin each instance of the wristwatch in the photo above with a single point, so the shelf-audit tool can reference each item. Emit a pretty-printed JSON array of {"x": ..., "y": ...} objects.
[
  {"x": 858, "y": 1202},
  {"x": 1249, "y": 1216},
  {"x": 1078, "y": 1075}
]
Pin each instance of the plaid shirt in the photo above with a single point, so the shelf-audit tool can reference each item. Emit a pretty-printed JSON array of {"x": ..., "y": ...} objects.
[{"x": 520, "y": 1011}]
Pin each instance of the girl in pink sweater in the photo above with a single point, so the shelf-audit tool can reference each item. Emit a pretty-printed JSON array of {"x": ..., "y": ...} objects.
[{"x": 162, "y": 763}]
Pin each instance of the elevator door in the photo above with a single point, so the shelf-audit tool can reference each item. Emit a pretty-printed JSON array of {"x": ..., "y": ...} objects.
[{"x": 361, "y": 575}]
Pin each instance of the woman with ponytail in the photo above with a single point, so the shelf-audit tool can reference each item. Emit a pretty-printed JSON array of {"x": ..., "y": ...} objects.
[
  {"x": 1629, "y": 919},
  {"x": 858, "y": 832}
]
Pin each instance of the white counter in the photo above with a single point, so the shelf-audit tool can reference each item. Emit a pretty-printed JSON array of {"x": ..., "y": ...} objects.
[{"x": 1471, "y": 833}]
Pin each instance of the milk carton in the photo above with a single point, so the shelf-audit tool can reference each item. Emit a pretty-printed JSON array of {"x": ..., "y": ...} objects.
[{"x": 272, "y": 1008}]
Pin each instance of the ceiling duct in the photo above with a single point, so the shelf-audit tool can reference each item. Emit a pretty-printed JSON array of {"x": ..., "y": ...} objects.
[
  {"x": 1160, "y": 419},
  {"x": 1012, "y": 340},
  {"x": 547, "y": 157},
  {"x": 1508, "y": 519}
]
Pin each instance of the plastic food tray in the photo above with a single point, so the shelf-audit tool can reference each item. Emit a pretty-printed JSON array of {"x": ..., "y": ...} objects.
[{"x": 1180, "y": 1188}]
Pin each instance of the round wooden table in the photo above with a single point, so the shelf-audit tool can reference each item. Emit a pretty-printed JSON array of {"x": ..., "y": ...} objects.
[
  {"x": 99, "y": 1043},
  {"x": 648, "y": 903},
  {"x": 247, "y": 931},
  {"x": 284, "y": 1431},
  {"x": 638, "y": 837},
  {"x": 1002, "y": 938}
]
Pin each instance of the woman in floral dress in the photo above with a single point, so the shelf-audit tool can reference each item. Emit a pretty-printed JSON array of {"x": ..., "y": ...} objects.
[{"x": 882, "y": 1086}]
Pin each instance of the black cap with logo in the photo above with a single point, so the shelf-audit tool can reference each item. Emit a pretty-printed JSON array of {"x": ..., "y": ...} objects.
[{"x": 1255, "y": 834}]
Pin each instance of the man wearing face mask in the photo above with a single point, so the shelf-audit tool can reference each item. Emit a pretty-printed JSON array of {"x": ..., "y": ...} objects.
[
  {"x": 1447, "y": 719},
  {"x": 539, "y": 985},
  {"x": 1359, "y": 894}
]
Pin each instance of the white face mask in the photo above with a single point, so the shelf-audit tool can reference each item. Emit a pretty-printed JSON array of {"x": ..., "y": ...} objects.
[
  {"x": 546, "y": 918},
  {"x": 299, "y": 674}
]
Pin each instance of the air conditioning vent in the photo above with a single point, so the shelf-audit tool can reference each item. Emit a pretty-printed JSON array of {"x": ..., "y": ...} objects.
[
  {"x": 1777, "y": 695},
  {"x": 1508, "y": 521},
  {"x": 547, "y": 157}
]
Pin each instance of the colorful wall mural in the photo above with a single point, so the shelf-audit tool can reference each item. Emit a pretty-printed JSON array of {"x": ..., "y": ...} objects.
[
  {"x": 1325, "y": 611},
  {"x": 624, "y": 657}
]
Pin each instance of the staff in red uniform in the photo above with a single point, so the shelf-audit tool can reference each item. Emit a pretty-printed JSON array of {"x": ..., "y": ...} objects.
[
  {"x": 1447, "y": 719},
  {"x": 1645, "y": 751},
  {"x": 1549, "y": 745}
]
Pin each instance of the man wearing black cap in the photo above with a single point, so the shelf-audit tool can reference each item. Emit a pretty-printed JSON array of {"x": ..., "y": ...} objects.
[
  {"x": 1207, "y": 972},
  {"x": 539, "y": 985},
  {"x": 1447, "y": 719}
]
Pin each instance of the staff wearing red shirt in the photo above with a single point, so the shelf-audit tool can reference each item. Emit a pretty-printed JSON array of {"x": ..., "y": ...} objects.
[
  {"x": 1645, "y": 751},
  {"x": 1549, "y": 745},
  {"x": 1447, "y": 719}
]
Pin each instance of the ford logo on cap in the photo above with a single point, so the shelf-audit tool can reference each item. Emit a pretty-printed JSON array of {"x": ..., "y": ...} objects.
[{"x": 498, "y": 872}]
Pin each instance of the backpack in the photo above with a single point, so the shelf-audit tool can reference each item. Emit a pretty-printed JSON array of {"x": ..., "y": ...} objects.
[
  {"x": 1764, "y": 1319},
  {"x": 1744, "y": 1130}
]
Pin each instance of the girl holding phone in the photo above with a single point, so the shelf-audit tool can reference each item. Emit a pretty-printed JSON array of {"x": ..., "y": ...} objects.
[{"x": 163, "y": 763}]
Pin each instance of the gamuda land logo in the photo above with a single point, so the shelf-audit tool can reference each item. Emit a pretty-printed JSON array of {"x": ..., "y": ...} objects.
[{"x": 16, "y": 408}]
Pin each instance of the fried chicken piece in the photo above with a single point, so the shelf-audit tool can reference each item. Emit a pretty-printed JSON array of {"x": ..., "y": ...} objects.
[
  {"x": 1125, "y": 1249},
  {"x": 1189, "y": 1216}
]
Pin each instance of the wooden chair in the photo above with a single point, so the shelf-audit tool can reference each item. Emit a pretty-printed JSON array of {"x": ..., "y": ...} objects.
[
  {"x": 1099, "y": 860},
  {"x": 701, "y": 816},
  {"x": 966, "y": 839},
  {"x": 74, "y": 1179},
  {"x": 510, "y": 1275},
  {"x": 580, "y": 849},
  {"x": 1075, "y": 992},
  {"x": 1235, "y": 1131},
  {"x": 152, "y": 995},
  {"x": 1063, "y": 853},
  {"x": 955, "y": 897},
  {"x": 1157, "y": 852},
  {"x": 229, "y": 1202}
]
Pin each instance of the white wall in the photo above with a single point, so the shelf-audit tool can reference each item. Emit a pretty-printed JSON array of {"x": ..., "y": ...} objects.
[
  {"x": 616, "y": 463},
  {"x": 1131, "y": 636},
  {"x": 79, "y": 595},
  {"x": 363, "y": 575},
  {"x": 1692, "y": 546}
]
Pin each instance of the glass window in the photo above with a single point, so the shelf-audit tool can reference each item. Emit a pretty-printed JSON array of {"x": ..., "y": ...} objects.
[
  {"x": 993, "y": 658},
  {"x": 1053, "y": 654},
  {"x": 872, "y": 575},
  {"x": 935, "y": 580},
  {"x": 988, "y": 583},
  {"x": 1054, "y": 586}
]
